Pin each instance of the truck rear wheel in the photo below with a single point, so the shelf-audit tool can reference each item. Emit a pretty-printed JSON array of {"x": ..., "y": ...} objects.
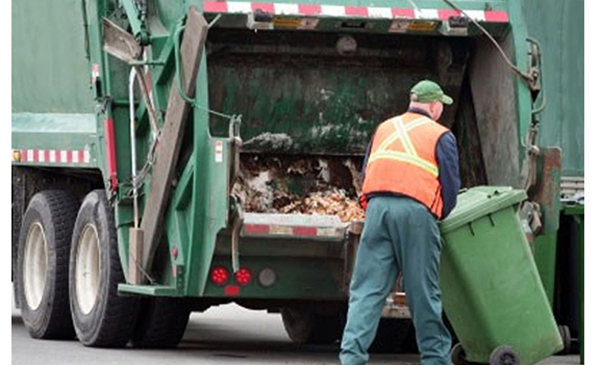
[
  {"x": 101, "y": 317},
  {"x": 305, "y": 327},
  {"x": 43, "y": 264},
  {"x": 161, "y": 323}
]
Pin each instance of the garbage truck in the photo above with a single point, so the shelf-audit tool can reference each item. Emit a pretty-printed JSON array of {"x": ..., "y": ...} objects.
[{"x": 169, "y": 156}]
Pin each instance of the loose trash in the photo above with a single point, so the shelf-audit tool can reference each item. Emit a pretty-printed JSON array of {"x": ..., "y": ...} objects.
[{"x": 300, "y": 185}]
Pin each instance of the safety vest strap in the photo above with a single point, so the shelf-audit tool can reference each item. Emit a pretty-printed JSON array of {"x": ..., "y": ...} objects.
[
  {"x": 410, "y": 154},
  {"x": 415, "y": 123}
]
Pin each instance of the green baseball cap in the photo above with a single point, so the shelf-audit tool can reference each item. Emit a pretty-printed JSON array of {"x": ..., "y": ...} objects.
[{"x": 427, "y": 91}]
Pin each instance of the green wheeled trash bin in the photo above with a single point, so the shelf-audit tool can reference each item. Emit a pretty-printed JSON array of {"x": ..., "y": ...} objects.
[
  {"x": 575, "y": 210},
  {"x": 491, "y": 290}
]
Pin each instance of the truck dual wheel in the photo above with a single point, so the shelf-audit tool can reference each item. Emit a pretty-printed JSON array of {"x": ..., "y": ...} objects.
[
  {"x": 101, "y": 317},
  {"x": 305, "y": 327},
  {"x": 43, "y": 264},
  {"x": 161, "y": 323}
]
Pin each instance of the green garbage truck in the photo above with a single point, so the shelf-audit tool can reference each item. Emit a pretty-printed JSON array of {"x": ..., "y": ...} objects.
[{"x": 169, "y": 156}]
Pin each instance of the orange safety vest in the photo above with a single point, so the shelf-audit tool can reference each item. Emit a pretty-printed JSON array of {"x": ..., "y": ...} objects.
[{"x": 402, "y": 160}]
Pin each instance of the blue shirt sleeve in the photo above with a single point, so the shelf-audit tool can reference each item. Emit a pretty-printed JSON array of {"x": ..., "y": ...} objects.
[
  {"x": 366, "y": 160},
  {"x": 446, "y": 154}
]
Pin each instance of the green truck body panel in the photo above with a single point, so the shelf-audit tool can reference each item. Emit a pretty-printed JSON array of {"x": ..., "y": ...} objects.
[
  {"x": 558, "y": 26},
  {"x": 296, "y": 94},
  {"x": 50, "y": 72},
  {"x": 53, "y": 131}
]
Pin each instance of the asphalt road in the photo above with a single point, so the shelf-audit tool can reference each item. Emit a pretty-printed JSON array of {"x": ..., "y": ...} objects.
[{"x": 222, "y": 335}]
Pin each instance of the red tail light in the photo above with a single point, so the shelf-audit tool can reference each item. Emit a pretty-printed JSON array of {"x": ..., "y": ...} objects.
[
  {"x": 109, "y": 131},
  {"x": 243, "y": 276},
  {"x": 219, "y": 276}
]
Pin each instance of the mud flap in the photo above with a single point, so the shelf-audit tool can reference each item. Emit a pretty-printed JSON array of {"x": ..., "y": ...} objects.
[{"x": 546, "y": 190}]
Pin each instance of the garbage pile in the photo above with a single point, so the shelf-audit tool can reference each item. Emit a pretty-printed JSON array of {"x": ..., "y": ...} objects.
[
  {"x": 300, "y": 185},
  {"x": 330, "y": 202}
]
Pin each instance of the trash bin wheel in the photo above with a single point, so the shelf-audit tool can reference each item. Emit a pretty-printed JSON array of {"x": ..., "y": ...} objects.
[
  {"x": 565, "y": 335},
  {"x": 458, "y": 355},
  {"x": 504, "y": 355}
]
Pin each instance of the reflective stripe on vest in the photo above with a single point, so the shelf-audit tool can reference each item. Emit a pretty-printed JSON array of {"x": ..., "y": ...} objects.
[
  {"x": 403, "y": 160},
  {"x": 410, "y": 156}
]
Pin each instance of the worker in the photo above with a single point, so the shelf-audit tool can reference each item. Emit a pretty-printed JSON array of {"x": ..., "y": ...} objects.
[{"x": 411, "y": 180}]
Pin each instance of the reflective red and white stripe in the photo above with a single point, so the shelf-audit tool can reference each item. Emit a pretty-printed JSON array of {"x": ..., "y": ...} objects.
[
  {"x": 56, "y": 156},
  {"x": 297, "y": 231},
  {"x": 349, "y": 11}
]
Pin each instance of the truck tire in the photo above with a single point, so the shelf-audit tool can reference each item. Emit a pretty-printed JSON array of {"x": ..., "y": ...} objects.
[
  {"x": 43, "y": 264},
  {"x": 304, "y": 327},
  {"x": 17, "y": 215},
  {"x": 161, "y": 323},
  {"x": 101, "y": 317}
]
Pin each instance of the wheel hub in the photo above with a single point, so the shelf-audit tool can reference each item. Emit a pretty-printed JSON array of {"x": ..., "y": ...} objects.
[
  {"x": 35, "y": 265},
  {"x": 87, "y": 268},
  {"x": 507, "y": 359}
]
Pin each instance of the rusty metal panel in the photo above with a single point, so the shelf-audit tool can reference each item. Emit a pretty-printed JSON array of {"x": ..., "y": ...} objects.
[
  {"x": 497, "y": 113},
  {"x": 546, "y": 190},
  {"x": 298, "y": 94}
]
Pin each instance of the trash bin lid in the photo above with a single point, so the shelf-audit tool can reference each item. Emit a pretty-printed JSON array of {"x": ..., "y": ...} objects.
[
  {"x": 479, "y": 201},
  {"x": 574, "y": 209}
]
